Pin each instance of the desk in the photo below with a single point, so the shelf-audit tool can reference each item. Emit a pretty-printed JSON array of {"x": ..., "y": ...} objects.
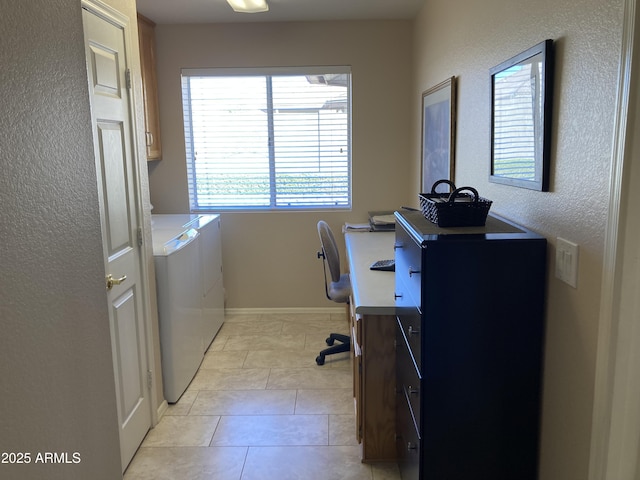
[
  {"x": 372, "y": 291},
  {"x": 373, "y": 332}
]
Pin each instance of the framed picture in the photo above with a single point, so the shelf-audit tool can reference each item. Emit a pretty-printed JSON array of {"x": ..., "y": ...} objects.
[
  {"x": 521, "y": 102},
  {"x": 438, "y": 133}
]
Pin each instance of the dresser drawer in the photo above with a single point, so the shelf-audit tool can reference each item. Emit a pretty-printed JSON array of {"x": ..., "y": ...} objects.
[
  {"x": 408, "y": 257},
  {"x": 408, "y": 381},
  {"x": 409, "y": 326},
  {"x": 407, "y": 442}
]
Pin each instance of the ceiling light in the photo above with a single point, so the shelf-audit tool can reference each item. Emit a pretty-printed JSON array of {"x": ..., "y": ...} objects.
[{"x": 249, "y": 6}]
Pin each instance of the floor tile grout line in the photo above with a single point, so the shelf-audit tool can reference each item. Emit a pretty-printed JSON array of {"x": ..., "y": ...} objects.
[
  {"x": 244, "y": 463},
  {"x": 328, "y": 430},
  {"x": 213, "y": 434},
  {"x": 244, "y": 360},
  {"x": 193, "y": 402}
]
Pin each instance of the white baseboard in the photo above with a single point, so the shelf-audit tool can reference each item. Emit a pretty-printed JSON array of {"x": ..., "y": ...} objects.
[
  {"x": 162, "y": 408},
  {"x": 285, "y": 310}
]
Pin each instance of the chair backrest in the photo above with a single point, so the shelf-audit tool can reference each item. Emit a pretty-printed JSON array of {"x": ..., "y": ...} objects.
[{"x": 330, "y": 250}]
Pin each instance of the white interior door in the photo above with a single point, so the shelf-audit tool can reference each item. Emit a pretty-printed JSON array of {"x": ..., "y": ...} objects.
[{"x": 105, "y": 44}]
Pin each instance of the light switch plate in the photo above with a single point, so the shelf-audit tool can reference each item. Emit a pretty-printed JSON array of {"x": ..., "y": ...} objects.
[{"x": 567, "y": 261}]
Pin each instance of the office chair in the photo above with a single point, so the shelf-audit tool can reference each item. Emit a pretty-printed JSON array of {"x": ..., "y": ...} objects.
[{"x": 337, "y": 289}]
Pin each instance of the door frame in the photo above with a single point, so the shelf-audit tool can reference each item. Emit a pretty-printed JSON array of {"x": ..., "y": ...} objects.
[
  {"x": 112, "y": 15},
  {"x": 616, "y": 413}
]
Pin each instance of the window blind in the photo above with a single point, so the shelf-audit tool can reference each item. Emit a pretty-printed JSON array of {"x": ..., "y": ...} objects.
[{"x": 268, "y": 139}]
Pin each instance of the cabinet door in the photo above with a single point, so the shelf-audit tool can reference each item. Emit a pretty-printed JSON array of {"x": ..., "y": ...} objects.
[
  {"x": 146, "y": 38},
  {"x": 378, "y": 388}
]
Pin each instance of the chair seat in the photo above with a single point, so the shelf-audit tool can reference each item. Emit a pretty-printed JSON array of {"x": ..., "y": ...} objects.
[{"x": 339, "y": 291}]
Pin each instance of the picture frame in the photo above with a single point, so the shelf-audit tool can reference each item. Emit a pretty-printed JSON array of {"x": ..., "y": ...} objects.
[
  {"x": 521, "y": 104},
  {"x": 438, "y": 133}
]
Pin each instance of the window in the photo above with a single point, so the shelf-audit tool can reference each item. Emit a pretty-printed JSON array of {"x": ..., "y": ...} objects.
[{"x": 268, "y": 139}]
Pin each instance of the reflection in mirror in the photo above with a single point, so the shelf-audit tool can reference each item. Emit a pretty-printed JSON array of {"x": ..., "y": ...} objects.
[{"x": 520, "y": 118}]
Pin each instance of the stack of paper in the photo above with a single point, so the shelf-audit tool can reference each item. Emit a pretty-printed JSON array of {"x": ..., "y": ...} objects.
[
  {"x": 356, "y": 227},
  {"x": 383, "y": 219}
]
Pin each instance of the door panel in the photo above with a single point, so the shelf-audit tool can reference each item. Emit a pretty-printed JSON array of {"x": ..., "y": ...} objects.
[
  {"x": 105, "y": 45},
  {"x": 104, "y": 63},
  {"x": 118, "y": 218},
  {"x": 131, "y": 382}
]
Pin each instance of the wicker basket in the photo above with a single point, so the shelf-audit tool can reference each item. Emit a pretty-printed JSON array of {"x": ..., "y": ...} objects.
[{"x": 455, "y": 209}]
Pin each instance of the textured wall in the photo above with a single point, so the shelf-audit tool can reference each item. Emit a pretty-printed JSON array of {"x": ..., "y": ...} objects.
[
  {"x": 56, "y": 376},
  {"x": 270, "y": 258},
  {"x": 466, "y": 39}
]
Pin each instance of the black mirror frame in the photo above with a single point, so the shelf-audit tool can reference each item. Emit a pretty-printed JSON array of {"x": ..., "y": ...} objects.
[{"x": 543, "y": 145}]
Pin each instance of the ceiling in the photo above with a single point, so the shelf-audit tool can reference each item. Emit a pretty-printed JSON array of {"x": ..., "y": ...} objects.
[{"x": 219, "y": 11}]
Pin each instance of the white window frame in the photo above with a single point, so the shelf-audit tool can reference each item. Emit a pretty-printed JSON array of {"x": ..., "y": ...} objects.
[{"x": 345, "y": 201}]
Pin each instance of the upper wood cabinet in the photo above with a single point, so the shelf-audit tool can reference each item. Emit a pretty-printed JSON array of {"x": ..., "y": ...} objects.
[{"x": 146, "y": 38}]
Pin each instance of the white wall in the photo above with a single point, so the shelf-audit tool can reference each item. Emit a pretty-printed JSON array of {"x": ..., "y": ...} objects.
[
  {"x": 466, "y": 39},
  {"x": 56, "y": 376},
  {"x": 270, "y": 258}
]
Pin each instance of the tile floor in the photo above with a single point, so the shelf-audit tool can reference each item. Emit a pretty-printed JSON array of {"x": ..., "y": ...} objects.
[{"x": 260, "y": 408}]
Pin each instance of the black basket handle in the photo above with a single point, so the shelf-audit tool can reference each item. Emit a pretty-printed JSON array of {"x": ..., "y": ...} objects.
[
  {"x": 452, "y": 187},
  {"x": 455, "y": 193}
]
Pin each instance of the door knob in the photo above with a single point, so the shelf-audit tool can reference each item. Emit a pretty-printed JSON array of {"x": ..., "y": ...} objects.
[{"x": 114, "y": 281}]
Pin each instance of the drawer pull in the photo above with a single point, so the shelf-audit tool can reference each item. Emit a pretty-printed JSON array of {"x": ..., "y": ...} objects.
[
  {"x": 412, "y": 271},
  {"x": 397, "y": 245},
  {"x": 412, "y": 331},
  {"x": 412, "y": 391},
  {"x": 411, "y": 446},
  {"x": 397, "y": 295}
]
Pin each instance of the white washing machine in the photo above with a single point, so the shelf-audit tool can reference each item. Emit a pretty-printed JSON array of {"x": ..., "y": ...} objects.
[
  {"x": 193, "y": 278},
  {"x": 178, "y": 285}
]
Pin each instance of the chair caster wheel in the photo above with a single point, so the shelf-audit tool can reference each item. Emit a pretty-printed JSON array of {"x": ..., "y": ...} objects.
[
  {"x": 320, "y": 360},
  {"x": 330, "y": 341}
]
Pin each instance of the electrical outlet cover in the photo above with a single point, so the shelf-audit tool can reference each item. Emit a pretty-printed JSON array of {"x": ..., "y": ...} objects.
[{"x": 567, "y": 261}]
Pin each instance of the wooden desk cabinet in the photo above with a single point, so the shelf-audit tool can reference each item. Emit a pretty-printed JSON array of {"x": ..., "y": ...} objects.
[
  {"x": 374, "y": 376},
  {"x": 372, "y": 317},
  {"x": 469, "y": 335}
]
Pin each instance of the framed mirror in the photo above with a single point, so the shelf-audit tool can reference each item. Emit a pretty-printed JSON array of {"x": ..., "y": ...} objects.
[{"x": 521, "y": 100}]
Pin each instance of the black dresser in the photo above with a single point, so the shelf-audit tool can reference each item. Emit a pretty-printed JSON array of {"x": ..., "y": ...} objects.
[{"x": 470, "y": 325}]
